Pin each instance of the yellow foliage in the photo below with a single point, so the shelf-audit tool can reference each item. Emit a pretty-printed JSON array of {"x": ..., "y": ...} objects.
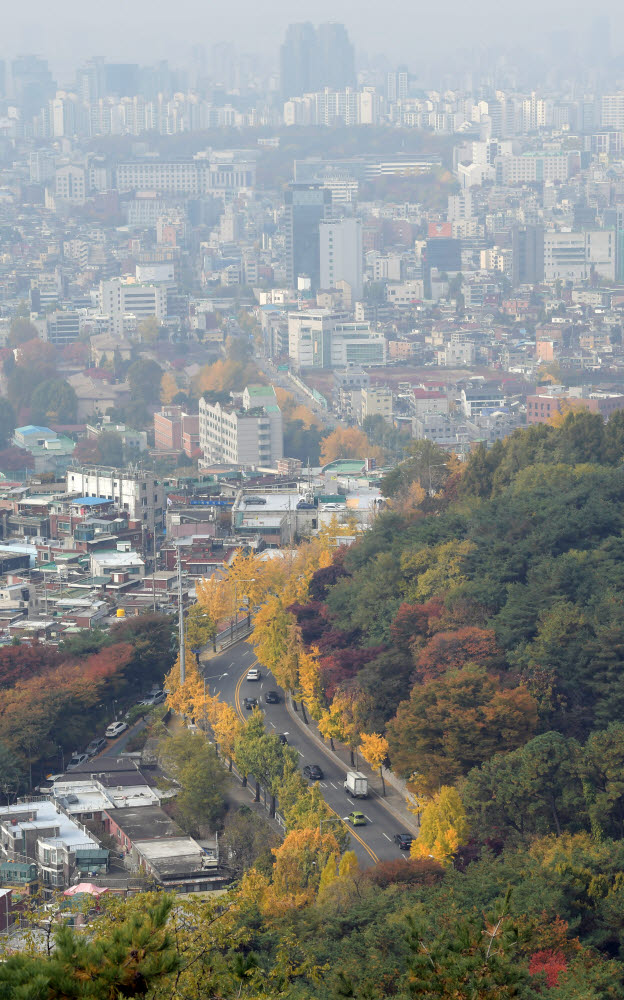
[
  {"x": 299, "y": 862},
  {"x": 168, "y": 388},
  {"x": 185, "y": 699},
  {"x": 222, "y": 376},
  {"x": 226, "y": 726},
  {"x": 374, "y": 749},
  {"x": 443, "y": 827},
  {"x": 215, "y": 596},
  {"x": 566, "y": 406},
  {"x": 436, "y": 568},
  {"x": 414, "y": 498},
  {"x": 310, "y": 681},
  {"x": 348, "y": 442}
]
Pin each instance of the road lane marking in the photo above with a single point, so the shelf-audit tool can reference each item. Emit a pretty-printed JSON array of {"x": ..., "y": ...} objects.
[
  {"x": 367, "y": 818},
  {"x": 386, "y": 836},
  {"x": 322, "y": 784},
  {"x": 300, "y": 754},
  {"x": 273, "y": 724},
  {"x": 333, "y": 785}
]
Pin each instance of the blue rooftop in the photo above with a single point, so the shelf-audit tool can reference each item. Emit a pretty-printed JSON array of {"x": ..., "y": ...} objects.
[
  {"x": 34, "y": 429},
  {"x": 90, "y": 501}
]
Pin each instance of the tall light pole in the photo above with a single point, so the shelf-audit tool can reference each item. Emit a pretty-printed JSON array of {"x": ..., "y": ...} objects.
[{"x": 182, "y": 650}]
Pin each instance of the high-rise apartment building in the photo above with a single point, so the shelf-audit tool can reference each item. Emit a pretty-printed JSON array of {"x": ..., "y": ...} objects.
[
  {"x": 312, "y": 59},
  {"x": 307, "y": 205},
  {"x": 341, "y": 254},
  {"x": 527, "y": 255}
]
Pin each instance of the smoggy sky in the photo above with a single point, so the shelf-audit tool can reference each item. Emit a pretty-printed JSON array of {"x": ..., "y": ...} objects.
[{"x": 144, "y": 30}]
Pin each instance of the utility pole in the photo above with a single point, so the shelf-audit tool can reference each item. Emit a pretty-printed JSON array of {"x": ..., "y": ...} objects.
[
  {"x": 181, "y": 622},
  {"x": 154, "y": 571}
]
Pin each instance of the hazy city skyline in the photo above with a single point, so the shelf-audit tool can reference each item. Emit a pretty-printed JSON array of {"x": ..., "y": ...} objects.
[{"x": 395, "y": 31}]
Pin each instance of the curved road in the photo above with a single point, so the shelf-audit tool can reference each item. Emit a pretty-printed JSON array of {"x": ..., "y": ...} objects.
[{"x": 226, "y": 675}]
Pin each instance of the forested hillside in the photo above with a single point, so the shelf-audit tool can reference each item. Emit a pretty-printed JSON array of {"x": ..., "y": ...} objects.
[{"x": 479, "y": 625}]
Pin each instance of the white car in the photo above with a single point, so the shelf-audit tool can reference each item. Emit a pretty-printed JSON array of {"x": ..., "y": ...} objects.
[
  {"x": 77, "y": 760},
  {"x": 115, "y": 729},
  {"x": 253, "y": 674}
]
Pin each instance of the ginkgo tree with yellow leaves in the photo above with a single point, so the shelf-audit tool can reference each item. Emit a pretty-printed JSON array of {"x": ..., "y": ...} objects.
[
  {"x": 443, "y": 827},
  {"x": 374, "y": 750}
]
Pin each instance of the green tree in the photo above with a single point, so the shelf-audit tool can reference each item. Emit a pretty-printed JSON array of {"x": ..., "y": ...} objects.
[
  {"x": 200, "y": 803},
  {"x": 144, "y": 377},
  {"x": 149, "y": 330},
  {"x": 110, "y": 447},
  {"x": 7, "y": 422},
  {"x": 54, "y": 401},
  {"x": 532, "y": 791},
  {"x": 21, "y": 331},
  {"x": 130, "y": 960}
]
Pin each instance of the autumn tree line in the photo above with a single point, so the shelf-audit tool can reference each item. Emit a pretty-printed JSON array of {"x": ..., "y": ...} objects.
[{"x": 55, "y": 700}]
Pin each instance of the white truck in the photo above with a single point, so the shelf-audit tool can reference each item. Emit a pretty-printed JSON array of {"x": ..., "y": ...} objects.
[{"x": 356, "y": 785}]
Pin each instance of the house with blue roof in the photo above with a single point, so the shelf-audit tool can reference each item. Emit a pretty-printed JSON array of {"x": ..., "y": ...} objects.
[{"x": 52, "y": 452}]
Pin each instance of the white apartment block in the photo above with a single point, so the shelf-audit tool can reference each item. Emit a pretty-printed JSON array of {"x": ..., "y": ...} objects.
[
  {"x": 138, "y": 493},
  {"x": 341, "y": 254},
  {"x": 122, "y": 298},
  {"x": 221, "y": 173},
  {"x": 574, "y": 256},
  {"x": 612, "y": 111},
  {"x": 71, "y": 184},
  {"x": 247, "y": 432},
  {"x": 536, "y": 166},
  {"x": 323, "y": 339}
]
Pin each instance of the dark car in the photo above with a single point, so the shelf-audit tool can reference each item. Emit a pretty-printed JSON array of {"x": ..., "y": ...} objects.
[
  {"x": 95, "y": 746},
  {"x": 282, "y": 738},
  {"x": 313, "y": 771},
  {"x": 272, "y": 698},
  {"x": 250, "y": 703},
  {"x": 403, "y": 840}
]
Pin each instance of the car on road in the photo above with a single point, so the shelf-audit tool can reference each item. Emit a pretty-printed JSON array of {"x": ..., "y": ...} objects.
[
  {"x": 253, "y": 674},
  {"x": 77, "y": 760},
  {"x": 115, "y": 729},
  {"x": 356, "y": 819},
  {"x": 403, "y": 841},
  {"x": 95, "y": 746},
  {"x": 313, "y": 771},
  {"x": 272, "y": 698},
  {"x": 250, "y": 703},
  {"x": 155, "y": 698},
  {"x": 282, "y": 738}
]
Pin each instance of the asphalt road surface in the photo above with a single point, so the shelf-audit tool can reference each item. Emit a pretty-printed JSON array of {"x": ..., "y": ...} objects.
[{"x": 225, "y": 675}]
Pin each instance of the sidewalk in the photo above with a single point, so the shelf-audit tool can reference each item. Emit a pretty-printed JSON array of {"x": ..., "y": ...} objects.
[{"x": 393, "y": 801}]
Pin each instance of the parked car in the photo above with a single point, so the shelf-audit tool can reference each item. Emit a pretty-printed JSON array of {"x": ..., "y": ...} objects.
[
  {"x": 115, "y": 729},
  {"x": 272, "y": 698},
  {"x": 253, "y": 674},
  {"x": 403, "y": 841},
  {"x": 95, "y": 746},
  {"x": 250, "y": 703},
  {"x": 313, "y": 771},
  {"x": 282, "y": 738},
  {"x": 357, "y": 819},
  {"x": 260, "y": 500},
  {"x": 77, "y": 760},
  {"x": 155, "y": 698}
]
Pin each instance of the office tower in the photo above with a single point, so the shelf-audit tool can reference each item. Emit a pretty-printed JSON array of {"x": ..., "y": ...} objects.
[
  {"x": 599, "y": 42},
  {"x": 341, "y": 254},
  {"x": 33, "y": 84},
  {"x": 397, "y": 84},
  {"x": 3, "y": 80},
  {"x": 527, "y": 255},
  {"x": 121, "y": 79},
  {"x": 335, "y": 66},
  {"x": 90, "y": 81},
  {"x": 307, "y": 205},
  {"x": 297, "y": 60},
  {"x": 619, "y": 243}
]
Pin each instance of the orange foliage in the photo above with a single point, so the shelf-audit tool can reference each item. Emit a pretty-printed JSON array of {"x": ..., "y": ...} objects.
[
  {"x": 451, "y": 650},
  {"x": 348, "y": 442}
]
